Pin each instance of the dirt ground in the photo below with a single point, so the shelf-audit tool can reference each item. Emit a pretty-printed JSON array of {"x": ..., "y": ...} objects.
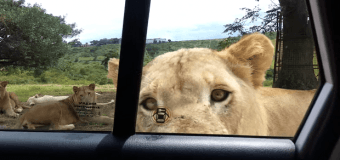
[{"x": 108, "y": 110}]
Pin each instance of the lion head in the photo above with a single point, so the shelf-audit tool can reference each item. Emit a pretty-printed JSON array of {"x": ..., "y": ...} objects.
[{"x": 204, "y": 91}]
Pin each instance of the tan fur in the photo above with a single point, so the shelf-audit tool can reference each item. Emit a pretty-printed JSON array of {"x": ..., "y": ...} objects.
[
  {"x": 61, "y": 115},
  {"x": 185, "y": 80},
  {"x": 113, "y": 74},
  {"x": 15, "y": 102},
  {"x": 9, "y": 101}
]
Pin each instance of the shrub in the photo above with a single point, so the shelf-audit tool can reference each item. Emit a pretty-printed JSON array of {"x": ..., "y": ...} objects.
[
  {"x": 270, "y": 74},
  {"x": 268, "y": 83},
  {"x": 147, "y": 58}
]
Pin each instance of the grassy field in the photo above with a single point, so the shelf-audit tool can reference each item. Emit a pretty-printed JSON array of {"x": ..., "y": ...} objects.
[
  {"x": 28, "y": 90},
  {"x": 100, "y": 58},
  {"x": 86, "y": 58}
]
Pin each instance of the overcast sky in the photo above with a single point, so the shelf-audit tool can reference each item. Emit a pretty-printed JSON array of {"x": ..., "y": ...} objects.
[{"x": 173, "y": 19}]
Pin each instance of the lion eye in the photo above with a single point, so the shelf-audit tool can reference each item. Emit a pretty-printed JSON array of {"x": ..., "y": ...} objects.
[
  {"x": 219, "y": 95},
  {"x": 150, "y": 104}
]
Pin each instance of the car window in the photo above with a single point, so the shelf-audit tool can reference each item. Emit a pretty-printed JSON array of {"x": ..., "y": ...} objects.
[
  {"x": 55, "y": 77},
  {"x": 197, "y": 79}
]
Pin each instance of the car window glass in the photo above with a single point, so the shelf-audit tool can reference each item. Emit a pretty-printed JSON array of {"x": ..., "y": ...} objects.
[
  {"x": 198, "y": 79},
  {"x": 56, "y": 63}
]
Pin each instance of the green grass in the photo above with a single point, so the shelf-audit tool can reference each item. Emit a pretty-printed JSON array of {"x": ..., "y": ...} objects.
[
  {"x": 100, "y": 58},
  {"x": 85, "y": 58},
  {"x": 101, "y": 124},
  {"x": 24, "y": 91}
]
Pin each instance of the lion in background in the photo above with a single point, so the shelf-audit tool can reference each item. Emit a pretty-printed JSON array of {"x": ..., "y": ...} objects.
[
  {"x": 217, "y": 92},
  {"x": 61, "y": 115},
  {"x": 9, "y": 101}
]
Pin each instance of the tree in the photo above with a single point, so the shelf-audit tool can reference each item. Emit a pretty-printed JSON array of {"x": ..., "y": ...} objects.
[
  {"x": 9, "y": 38},
  {"x": 297, "y": 70},
  {"x": 169, "y": 40},
  {"x": 30, "y": 38},
  {"x": 75, "y": 43},
  {"x": 94, "y": 43}
]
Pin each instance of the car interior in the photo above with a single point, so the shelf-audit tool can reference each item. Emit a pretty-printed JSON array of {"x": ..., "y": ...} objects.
[{"x": 317, "y": 137}]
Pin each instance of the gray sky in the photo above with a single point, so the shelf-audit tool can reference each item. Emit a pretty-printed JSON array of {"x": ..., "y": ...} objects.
[{"x": 176, "y": 19}]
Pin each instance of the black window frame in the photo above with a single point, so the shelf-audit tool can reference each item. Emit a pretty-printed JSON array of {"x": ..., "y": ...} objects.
[{"x": 315, "y": 138}]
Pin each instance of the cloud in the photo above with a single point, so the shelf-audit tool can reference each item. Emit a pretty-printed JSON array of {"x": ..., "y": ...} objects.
[{"x": 176, "y": 19}]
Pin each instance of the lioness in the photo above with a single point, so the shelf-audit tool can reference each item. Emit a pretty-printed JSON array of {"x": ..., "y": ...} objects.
[
  {"x": 46, "y": 98},
  {"x": 61, "y": 115},
  {"x": 9, "y": 101},
  {"x": 217, "y": 92}
]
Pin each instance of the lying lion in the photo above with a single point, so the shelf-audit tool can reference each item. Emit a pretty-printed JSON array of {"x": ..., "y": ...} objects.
[
  {"x": 61, "y": 115},
  {"x": 48, "y": 98},
  {"x": 9, "y": 101},
  {"x": 217, "y": 92}
]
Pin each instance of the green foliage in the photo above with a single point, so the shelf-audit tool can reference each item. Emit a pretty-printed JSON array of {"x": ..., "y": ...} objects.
[
  {"x": 227, "y": 42},
  {"x": 223, "y": 44},
  {"x": 100, "y": 58},
  {"x": 268, "y": 83},
  {"x": 147, "y": 58},
  {"x": 152, "y": 49},
  {"x": 269, "y": 74},
  {"x": 271, "y": 35},
  {"x": 110, "y": 81},
  {"x": 71, "y": 68},
  {"x": 41, "y": 35},
  {"x": 17, "y": 77},
  {"x": 110, "y": 53},
  {"x": 90, "y": 72},
  {"x": 37, "y": 72},
  {"x": 85, "y": 58},
  {"x": 86, "y": 54}
]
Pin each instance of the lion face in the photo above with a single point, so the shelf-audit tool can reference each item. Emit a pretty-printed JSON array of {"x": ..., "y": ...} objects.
[
  {"x": 200, "y": 91},
  {"x": 84, "y": 94}
]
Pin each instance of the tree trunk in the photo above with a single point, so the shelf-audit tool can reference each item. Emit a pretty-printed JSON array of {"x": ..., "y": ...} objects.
[{"x": 297, "y": 59}]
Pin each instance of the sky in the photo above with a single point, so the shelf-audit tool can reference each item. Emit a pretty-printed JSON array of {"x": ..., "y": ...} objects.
[{"x": 173, "y": 19}]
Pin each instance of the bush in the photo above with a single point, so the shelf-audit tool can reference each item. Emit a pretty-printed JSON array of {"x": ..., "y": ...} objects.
[
  {"x": 223, "y": 44},
  {"x": 110, "y": 81},
  {"x": 82, "y": 71},
  {"x": 103, "y": 81},
  {"x": 268, "y": 83},
  {"x": 270, "y": 74},
  {"x": 147, "y": 58}
]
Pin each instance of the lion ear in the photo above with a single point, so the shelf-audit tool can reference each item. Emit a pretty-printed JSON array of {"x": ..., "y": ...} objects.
[
  {"x": 92, "y": 86},
  {"x": 255, "y": 52},
  {"x": 113, "y": 70},
  {"x": 4, "y": 83}
]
